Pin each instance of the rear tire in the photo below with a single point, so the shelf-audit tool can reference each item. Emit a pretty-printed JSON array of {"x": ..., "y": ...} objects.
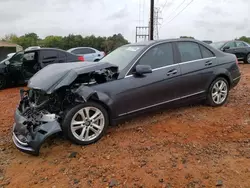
[
  {"x": 247, "y": 59},
  {"x": 82, "y": 120},
  {"x": 96, "y": 60},
  {"x": 2, "y": 82},
  {"x": 218, "y": 92}
]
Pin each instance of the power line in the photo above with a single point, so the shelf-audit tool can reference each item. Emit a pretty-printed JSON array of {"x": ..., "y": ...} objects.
[
  {"x": 179, "y": 11},
  {"x": 164, "y": 5}
]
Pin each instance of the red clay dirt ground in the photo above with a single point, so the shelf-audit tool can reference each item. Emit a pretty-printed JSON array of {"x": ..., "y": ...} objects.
[{"x": 187, "y": 147}]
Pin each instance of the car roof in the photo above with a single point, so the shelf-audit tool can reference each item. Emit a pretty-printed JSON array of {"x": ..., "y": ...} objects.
[
  {"x": 152, "y": 42},
  {"x": 39, "y": 49}
]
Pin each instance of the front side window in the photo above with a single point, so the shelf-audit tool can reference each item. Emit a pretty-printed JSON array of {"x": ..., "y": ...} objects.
[
  {"x": 30, "y": 56},
  {"x": 230, "y": 44},
  {"x": 189, "y": 51},
  {"x": 158, "y": 56},
  {"x": 17, "y": 58}
]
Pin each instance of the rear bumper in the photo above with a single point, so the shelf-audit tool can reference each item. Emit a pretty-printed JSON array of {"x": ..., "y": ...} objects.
[{"x": 30, "y": 141}]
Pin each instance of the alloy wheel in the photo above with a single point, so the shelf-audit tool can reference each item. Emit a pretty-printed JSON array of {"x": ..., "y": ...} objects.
[
  {"x": 87, "y": 124},
  {"x": 219, "y": 92}
]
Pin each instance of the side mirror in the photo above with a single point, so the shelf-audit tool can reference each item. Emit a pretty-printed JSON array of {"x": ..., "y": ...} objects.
[
  {"x": 7, "y": 62},
  {"x": 226, "y": 48},
  {"x": 143, "y": 69}
]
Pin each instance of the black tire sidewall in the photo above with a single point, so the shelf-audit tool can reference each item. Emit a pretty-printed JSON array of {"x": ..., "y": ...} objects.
[
  {"x": 210, "y": 100},
  {"x": 69, "y": 115},
  {"x": 246, "y": 62}
]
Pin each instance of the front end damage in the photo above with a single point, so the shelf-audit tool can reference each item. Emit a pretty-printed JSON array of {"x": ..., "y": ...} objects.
[
  {"x": 43, "y": 107},
  {"x": 33, "y": 125}
]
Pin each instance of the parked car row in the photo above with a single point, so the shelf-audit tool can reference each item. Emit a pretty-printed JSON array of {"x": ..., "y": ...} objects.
[
  {"x": 240, "y": 48},
  {"x": 82, "y": 99},
  {"x": 19, "y": 67}
]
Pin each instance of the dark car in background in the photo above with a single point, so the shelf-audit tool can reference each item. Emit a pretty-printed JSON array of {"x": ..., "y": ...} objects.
[
  {"x": 207, "y": 41},
  {"x": 83, "y": 99},
  {"x": 240, "y": 48},
  {"x": 20, "y": 67}
]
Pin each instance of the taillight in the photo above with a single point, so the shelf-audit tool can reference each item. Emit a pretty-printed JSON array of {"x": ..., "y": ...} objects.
[
  {"x": 237, "y": 62},
  {"x": 80, "y": 58},
  {"x": 104, "y": 54}
]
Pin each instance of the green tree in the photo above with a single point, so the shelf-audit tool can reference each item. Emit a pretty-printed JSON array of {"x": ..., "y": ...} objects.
[
  {"x": 245, "y": 39},
  {"x": 189, "y": 37}
]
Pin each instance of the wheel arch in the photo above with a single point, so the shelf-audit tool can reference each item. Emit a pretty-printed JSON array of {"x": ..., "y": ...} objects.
[
  {"x": 103, "y": 104},
  {"x": 224, "y": 73}
]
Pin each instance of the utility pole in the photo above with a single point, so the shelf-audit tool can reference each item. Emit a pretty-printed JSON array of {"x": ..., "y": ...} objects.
[
  {"x": 151, "y": 33},
  {"x": 157, "y": 18}
]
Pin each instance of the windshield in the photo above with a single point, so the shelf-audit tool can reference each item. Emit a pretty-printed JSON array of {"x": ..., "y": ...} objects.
[
  {"x": 122, "y": 56},
  {"x": 217, "y": 45}
]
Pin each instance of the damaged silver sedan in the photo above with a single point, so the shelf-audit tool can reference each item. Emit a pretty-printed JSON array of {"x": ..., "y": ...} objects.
[{"x": 82, "y": 99}]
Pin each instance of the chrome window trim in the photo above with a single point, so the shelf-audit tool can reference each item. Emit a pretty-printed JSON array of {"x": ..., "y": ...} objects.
[
  {"x": 182, "y": 63},
  {"x": 127, "y": 76},
  {"x": 165, "y": 102}
]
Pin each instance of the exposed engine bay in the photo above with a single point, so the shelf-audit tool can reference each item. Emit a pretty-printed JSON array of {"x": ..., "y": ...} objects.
[{"x": 36, "y": 104}]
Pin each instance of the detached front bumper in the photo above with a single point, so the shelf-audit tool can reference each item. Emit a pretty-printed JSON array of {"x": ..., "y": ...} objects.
[{"x": 30, "y": 141}]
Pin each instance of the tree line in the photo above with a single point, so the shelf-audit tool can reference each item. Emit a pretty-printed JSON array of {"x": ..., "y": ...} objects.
[{"x": 106, "y": 44}]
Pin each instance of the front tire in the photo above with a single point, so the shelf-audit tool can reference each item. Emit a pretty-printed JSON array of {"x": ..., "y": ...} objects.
[
  {"x": 85, "y": 123},
  {"x": 218, "y": 92},
  {"x": 247, "y": 60}
]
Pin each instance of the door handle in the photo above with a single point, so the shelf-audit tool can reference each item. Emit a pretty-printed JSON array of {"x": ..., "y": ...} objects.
[
  {"x": 173, "y": 71},
  {"x": 208, "y": 63}
]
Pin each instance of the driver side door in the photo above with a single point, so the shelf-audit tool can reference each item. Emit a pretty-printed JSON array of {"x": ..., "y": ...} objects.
[
  {"x": 15, "y": 67},
  {"x": 153, "y": 89}
]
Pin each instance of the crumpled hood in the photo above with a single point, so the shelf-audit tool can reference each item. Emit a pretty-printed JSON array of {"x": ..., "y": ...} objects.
[{"x": 54, "y": 76}]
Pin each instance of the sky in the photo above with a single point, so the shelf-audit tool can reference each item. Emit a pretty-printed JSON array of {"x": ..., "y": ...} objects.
[{"x": 203, "y": 19}]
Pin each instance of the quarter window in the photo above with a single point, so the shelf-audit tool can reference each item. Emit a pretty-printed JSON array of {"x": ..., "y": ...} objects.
[
  {"x": 206, "y": 53},
  {"x": 189, "y": 51},
  {"x": 158, "y": 56}
]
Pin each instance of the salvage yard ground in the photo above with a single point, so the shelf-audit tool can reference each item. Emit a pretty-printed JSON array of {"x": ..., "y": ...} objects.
[{"x": 188, "y": 147}]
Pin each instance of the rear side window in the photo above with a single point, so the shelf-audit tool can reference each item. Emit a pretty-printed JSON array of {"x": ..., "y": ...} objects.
[
  {"x": 206, "y": 53},
  {"x": 240, "y": 44},
  {"x": 87, "y": 51},
  {"x": 189, "y": 51},
  {"x": 158, "y": 56},
  {"x": 49, "y": 54}
]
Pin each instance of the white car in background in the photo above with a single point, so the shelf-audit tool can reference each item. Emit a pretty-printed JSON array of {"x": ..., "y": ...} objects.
[{"x": 88, "y": 53}]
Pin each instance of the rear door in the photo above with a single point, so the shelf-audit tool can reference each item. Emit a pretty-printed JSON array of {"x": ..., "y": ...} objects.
[
  {"x": 197, "y": 64},
  {"x": 88, "y": 53},
  {"x": 153, "y": 89},
  {"x": 241, "y": 50}
]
